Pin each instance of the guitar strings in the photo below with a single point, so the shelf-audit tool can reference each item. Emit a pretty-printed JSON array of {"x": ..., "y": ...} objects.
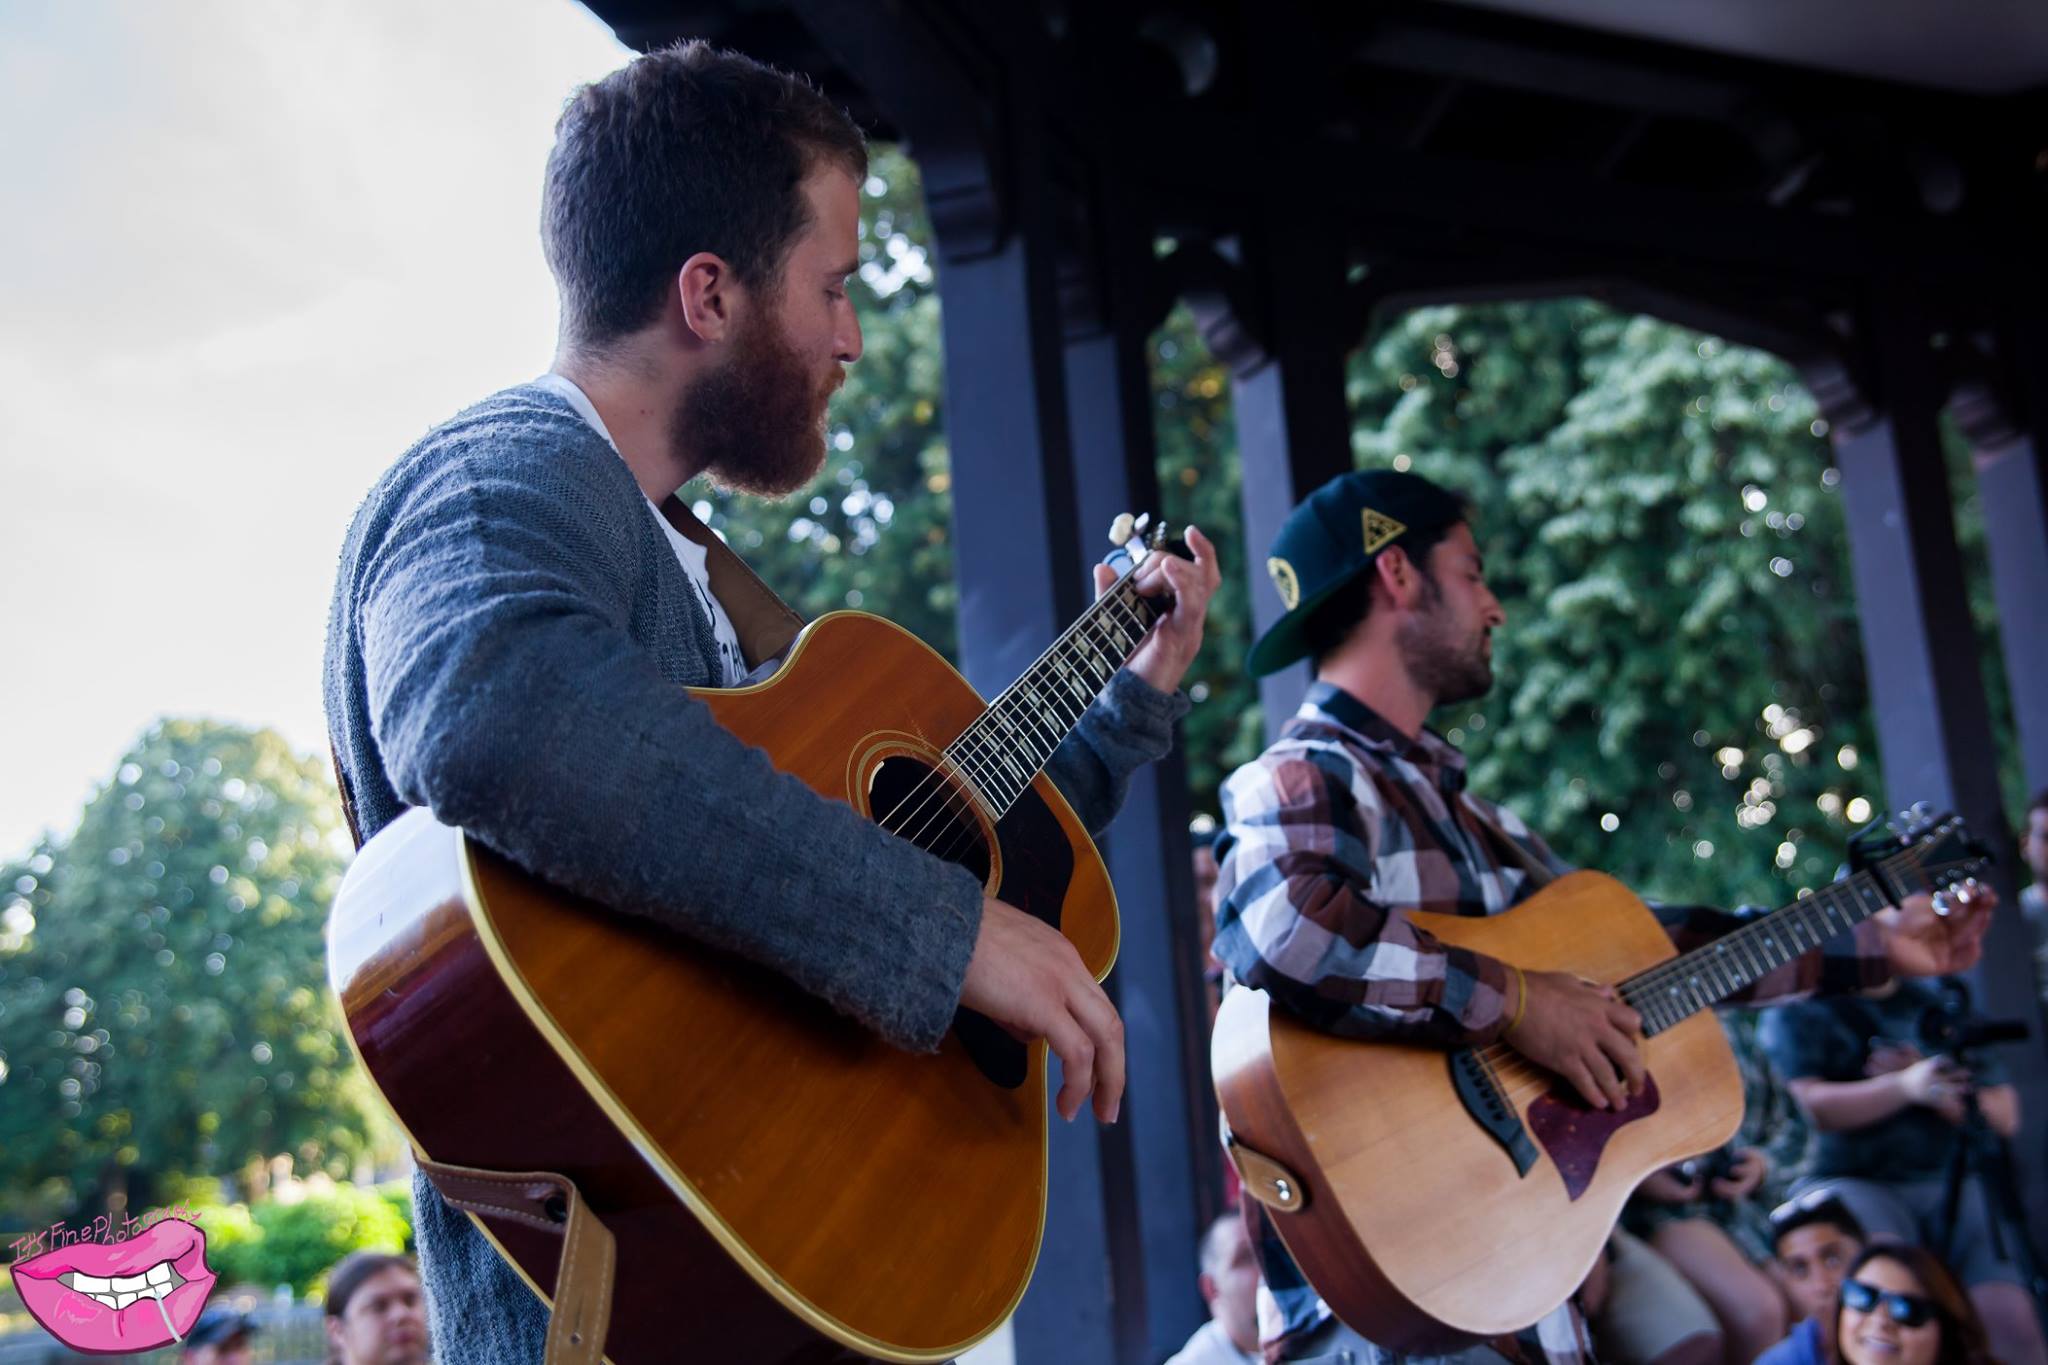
[
  {"x": 965, "y": 831},
  {"x": 1503, "y": 1060},
  {"x": 973, "y": 754},
  {"x": 980, "y": 774},
  {"x": 1664, "y": 972}
]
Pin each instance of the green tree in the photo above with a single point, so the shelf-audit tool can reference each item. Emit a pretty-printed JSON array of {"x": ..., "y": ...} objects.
[
  {"x": 163, "y": 1004},
  {"x": 1682, "y": 658},
  {"x": 1682, "y": 698},
  {"x": 298, "y": 1242}
]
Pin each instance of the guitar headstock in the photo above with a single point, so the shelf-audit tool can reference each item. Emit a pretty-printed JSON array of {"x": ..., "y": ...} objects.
[
  {"x": 1924, "y": 850},
  {"x": 1138, "y": 538}
]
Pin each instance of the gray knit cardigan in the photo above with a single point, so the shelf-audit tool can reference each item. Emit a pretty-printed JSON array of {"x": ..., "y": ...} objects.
[{"x": 508, "y": 635}]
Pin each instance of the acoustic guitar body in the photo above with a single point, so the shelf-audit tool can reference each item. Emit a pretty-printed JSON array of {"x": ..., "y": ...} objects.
[
  {"x": 1413, "y": 1220},
  {"x": 784, "y": 1187}
]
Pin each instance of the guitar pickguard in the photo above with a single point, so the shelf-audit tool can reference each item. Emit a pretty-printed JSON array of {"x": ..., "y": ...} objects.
[
  {"x": 1037, "y": 866},
  {"x": 1575, "y": 1135}
]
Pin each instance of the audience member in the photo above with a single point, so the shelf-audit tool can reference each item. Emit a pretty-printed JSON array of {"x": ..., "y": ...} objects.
[
  {"x": 2034, "y": 897},
  {"x": 1902, "y": 1306},
  {"x": 1815, "y": 1239},
  {"x": 1230, "y": 1286},
  {"x": 1641, "y": 1311},
  {"x": 1687, "y": 1213},
  {"x": 1704, "y": 1219},
  {"x": 376, "y": 1314},
  {"x": 220, "y": 1337},
  {"x": 1884, "y": 1127}
]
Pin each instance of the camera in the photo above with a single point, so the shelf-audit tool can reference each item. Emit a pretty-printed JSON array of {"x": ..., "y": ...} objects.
[
  {"x": 1715, "y": 1165},
  {"x": 1948, "y": 1026}
]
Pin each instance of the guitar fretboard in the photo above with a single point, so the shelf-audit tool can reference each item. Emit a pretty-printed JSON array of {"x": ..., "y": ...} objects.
[
  {"x": 1007, "y": 747},
  {"x": 1674, "y": 990}
]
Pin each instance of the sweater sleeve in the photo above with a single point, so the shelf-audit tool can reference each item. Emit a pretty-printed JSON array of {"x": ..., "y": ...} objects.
[
  {"x": 1128, "y": 725},
  {"x": 506, "y": 695}
]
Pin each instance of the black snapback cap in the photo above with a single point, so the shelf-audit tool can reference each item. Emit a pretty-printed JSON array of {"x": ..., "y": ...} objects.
[{"x": 1333, "y": 537}]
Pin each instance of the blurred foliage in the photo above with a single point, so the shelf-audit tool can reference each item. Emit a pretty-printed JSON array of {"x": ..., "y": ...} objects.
[
  {"x": 295, "y": 1243},
  {"x": 1681, "y": 697},
  {"x": 163, "y": 1001}
]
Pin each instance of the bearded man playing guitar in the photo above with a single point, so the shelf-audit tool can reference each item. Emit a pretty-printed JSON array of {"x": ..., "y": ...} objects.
[
  {"x": 1358, "y": 817},
  {"x": 518, "y": 612}
]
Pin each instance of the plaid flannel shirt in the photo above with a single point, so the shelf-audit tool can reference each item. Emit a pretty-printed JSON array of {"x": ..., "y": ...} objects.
[{"x": 1330, "y": 837}]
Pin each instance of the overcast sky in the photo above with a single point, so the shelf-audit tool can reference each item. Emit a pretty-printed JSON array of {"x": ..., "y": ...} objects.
[{"x": 251, "y": 252}]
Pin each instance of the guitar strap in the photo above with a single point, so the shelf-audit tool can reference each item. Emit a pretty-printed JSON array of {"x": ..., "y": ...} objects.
[
  {"x": 1510, "y": 850},
  {"x": 550, "y": 1202},
  {"x": 764, "y": 623}
]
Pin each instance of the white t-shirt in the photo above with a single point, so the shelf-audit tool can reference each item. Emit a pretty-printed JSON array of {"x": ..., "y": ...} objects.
[
  {"x": 689, "y": 553},
  {"x": 1211, "y": 1345}
]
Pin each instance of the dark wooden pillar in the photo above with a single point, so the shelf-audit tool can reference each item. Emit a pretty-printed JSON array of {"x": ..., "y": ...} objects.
[
  {"x": 1115, "y": 1280},
  {"x": 2012, "y": 478},
  {"x": 1934, "y": 731},
  {"x": 1019, "y": 564},
  {"x": 1293, "y": 422},
  {"x": 1165, "y": 1145}
]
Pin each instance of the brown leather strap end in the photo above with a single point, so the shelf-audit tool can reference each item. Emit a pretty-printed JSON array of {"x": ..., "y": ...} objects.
[
  {"x": 763, "y": 622},
  {"x": 550, "y": 1202}
]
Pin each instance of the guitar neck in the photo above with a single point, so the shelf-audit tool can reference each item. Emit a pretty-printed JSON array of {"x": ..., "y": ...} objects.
[
  {"x": 1011, "y": 742},
  {"x": 1675, "y": 990}
]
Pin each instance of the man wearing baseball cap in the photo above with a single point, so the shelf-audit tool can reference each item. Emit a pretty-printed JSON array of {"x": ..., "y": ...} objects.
[{"x": 1359, "y": 814}]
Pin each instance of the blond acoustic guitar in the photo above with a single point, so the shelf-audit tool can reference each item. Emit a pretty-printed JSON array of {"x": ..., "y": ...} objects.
[
  {"x": 1436, "y": 1198},
  {"x": 782, "y": 1185}
]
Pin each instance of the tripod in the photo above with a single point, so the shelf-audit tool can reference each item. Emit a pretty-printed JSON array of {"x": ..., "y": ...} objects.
[{"x": 1979, "y": 1152}]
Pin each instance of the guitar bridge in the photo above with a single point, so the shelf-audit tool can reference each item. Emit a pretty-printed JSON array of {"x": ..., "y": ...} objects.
[{"x": 1479, "y": 1091}]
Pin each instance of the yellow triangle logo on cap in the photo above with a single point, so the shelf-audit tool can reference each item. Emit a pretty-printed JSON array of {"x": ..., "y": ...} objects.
[
  {"x": 1285, "y": 581},
  {"x": 1380, "y": 530}
]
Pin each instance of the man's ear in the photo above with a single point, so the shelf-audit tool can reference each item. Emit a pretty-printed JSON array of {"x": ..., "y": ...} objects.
[
  {"x": 710, "y": 297},
  {"x": 1207, "y": 1284},
  {"x": 1398, "y": 576}
]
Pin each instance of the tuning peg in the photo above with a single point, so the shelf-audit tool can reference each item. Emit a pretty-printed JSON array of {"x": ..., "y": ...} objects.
[{"x": 1120, "y": 530}]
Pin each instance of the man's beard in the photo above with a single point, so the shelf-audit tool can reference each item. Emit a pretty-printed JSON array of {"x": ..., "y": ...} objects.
[
  {"x": 1449, "y": 666},
  {"x": 757, "y": 423}
]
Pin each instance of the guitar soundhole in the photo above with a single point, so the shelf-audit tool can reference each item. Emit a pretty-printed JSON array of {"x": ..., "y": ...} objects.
[{"x": 910, "y": 798}]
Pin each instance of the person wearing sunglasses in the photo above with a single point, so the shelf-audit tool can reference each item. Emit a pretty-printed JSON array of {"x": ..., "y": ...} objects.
[
  {"x": 1884, "y": 1118},
  {"x": 1901, "y": 1306}
]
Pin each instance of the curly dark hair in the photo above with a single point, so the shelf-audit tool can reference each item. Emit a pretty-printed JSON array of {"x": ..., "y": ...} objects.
[{"x": 686, "y": 149}]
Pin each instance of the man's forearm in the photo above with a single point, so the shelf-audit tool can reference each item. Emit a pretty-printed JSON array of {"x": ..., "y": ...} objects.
[{"x": 1839, "y": 1106}]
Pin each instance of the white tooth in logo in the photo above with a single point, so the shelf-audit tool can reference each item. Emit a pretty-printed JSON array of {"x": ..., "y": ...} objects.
[
  {"x": 160, "y": 1273},
  {"x": 129, "y": 1284},
  {"x": 123, "y": 1300},
  {"x": 90, "y": 1284}
]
